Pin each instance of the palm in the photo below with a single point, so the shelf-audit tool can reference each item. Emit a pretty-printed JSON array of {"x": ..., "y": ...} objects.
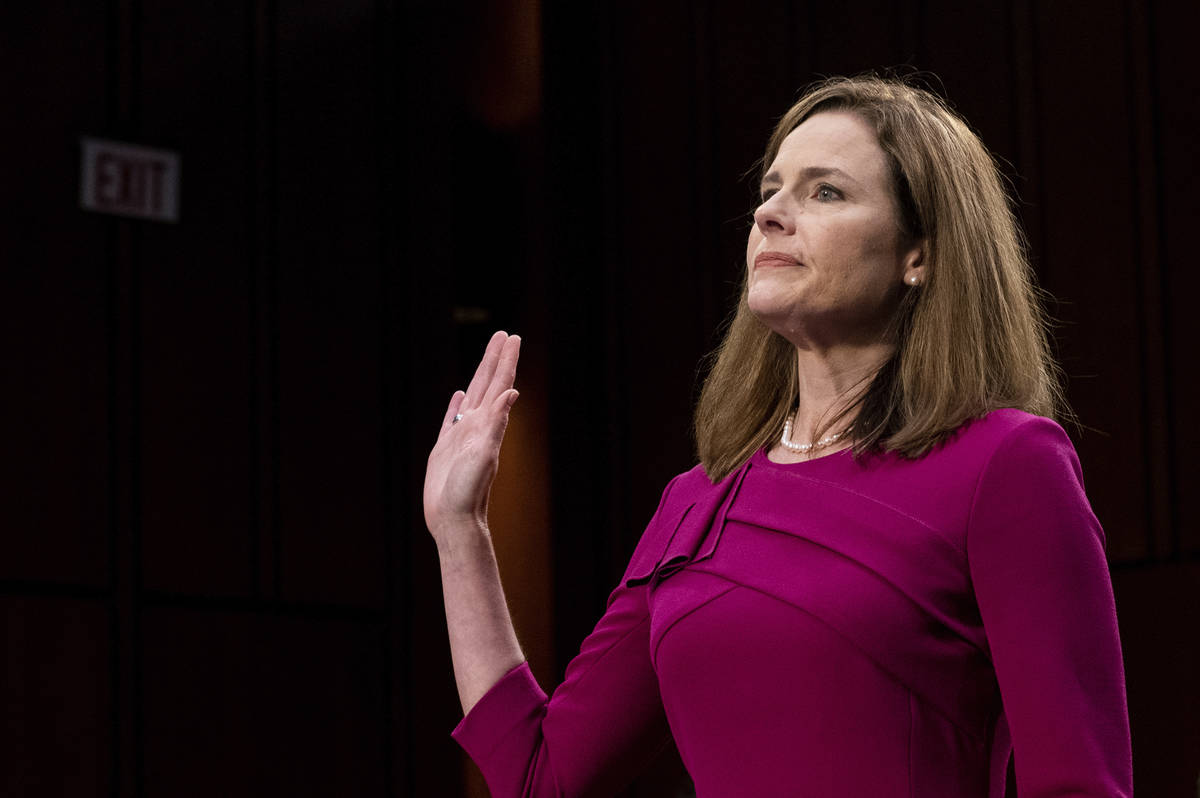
[{"x": 463, "y": 463}]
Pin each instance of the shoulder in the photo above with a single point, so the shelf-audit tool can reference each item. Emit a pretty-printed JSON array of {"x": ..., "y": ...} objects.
[
  {"x": 684, "y": 492},
  {"x": 967, "y": 454},
  {"x": 1005, "y": 425},
  {"x": 1020, "y": 443},
  {"x": 1002, "y": 436},
  {"x": 989, "y": 455},
  {"x": 1030, "y": 478},
  {"x": 687, "y": 487}
]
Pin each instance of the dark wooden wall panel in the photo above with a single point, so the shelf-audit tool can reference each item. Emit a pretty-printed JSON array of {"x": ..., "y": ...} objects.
[
  {"x": 590, "y": 535},
  {"x": 974, "y": 71},
  {"x": 54, "y": 317},
  {"x": 1176, "y": 89},
  {"x": 1152, "y": 268},
  {"x": 195, "y": 277},
  {"x": 659, "y": 202},
  {"x": 1025, "y": 126},
  {"x": 1091, "y": 253},
  {"x": 247, "y": 398},
  {"x": 56, "y": 690},
  {"x": 755, "y": 73},
  {"x": 330, "y": 339},
  {"x": 421, "y": 377},
  {"x": 1159, "y": 665},
  {"x": 849, "y": 38},
  {"x": 249, "y": 704}
]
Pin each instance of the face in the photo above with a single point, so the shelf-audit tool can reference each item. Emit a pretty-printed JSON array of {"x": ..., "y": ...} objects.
[{"x": 827, "y": 259}]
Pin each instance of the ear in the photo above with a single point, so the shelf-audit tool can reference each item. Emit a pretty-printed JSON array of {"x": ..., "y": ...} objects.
[{"x": 913, "y": 265}]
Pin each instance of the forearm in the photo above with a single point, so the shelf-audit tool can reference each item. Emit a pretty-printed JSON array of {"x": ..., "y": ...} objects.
[{"x": 483, "y": 643}]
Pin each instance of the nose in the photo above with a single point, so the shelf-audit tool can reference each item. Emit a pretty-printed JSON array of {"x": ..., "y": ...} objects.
[{"x": 773, "y": 216}]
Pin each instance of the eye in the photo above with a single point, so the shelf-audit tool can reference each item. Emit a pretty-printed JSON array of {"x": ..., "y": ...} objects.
[
  {"x": 827, "y": 193},
  {"x": 766, "y": 194}
]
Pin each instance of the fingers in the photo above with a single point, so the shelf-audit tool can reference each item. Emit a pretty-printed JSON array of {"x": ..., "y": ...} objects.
[
  {"x": 501, "y": 406},
  {"x": 506, "y": 370},
  {"x": 492, "y": 386},
  {"x": 483, "y": 373},
  {"x": 452, "y": 410}
]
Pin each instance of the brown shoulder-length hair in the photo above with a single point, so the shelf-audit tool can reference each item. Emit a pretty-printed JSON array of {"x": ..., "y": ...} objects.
[{"x": 972, "y": 338}]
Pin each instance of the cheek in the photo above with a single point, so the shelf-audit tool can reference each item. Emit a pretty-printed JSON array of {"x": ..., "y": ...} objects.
[
  {"x": 865, "y": 250},
  {"x": 877, "y": 237}
]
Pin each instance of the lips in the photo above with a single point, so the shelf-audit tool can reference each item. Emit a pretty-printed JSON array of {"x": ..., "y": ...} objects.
[{"x": 767, "y": 259}]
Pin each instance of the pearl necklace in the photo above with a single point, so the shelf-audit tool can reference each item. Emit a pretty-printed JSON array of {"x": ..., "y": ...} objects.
[{"x": 805, "y": 448}]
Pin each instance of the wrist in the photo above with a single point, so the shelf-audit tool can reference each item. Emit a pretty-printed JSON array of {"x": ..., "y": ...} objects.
[{"x": 456, "y": 536}]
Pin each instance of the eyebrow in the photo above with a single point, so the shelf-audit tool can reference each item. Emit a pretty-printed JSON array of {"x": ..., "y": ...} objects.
[{"x": 809, "y": 173}]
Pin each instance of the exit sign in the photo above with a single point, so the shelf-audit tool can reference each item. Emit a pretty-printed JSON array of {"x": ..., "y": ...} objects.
[{"x": 129, "y": 180}]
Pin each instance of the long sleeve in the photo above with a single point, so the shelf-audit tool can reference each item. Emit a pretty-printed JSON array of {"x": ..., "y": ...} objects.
[
  {"x": 1037, "y": 564},
  {"x": 599, "y": 729}
]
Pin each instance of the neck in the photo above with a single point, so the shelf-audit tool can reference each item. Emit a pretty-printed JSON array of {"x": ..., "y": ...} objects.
[{"x": 830, "y": 380}]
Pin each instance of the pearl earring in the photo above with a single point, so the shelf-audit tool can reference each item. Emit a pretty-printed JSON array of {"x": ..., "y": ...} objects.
[{"x": 912, "y": 279}]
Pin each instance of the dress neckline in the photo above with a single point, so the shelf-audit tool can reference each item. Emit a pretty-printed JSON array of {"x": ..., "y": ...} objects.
[{"x": 761, "y": 458}]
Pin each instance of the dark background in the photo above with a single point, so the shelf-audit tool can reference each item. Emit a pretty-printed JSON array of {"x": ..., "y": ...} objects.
[{"x": 214, "y": 577}]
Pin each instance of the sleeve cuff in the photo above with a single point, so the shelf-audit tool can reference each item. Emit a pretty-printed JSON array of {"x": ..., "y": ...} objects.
[{"x": 508, "y": 704}]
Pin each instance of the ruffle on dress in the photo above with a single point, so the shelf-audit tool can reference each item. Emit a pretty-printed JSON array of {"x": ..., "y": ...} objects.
[{"x": 694, "y": 532}]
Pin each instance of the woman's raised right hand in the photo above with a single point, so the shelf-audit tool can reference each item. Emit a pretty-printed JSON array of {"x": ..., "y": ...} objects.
[{"x": 464, "y": 461}]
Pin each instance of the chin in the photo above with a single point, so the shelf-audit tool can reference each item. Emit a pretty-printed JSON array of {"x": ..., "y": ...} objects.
[
  {"x": 774, "y": 316},
  {"x": 766, "y": 303}
]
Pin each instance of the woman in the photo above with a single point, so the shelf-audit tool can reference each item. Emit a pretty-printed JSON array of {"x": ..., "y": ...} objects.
[{"x": 884, "y": 576}]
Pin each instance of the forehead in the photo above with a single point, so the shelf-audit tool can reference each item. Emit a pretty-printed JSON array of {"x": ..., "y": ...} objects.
[{"x": 834, "y": 139}]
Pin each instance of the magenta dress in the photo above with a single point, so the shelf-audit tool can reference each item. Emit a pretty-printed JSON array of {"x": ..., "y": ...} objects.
[{"x": 849, "y": 629}]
